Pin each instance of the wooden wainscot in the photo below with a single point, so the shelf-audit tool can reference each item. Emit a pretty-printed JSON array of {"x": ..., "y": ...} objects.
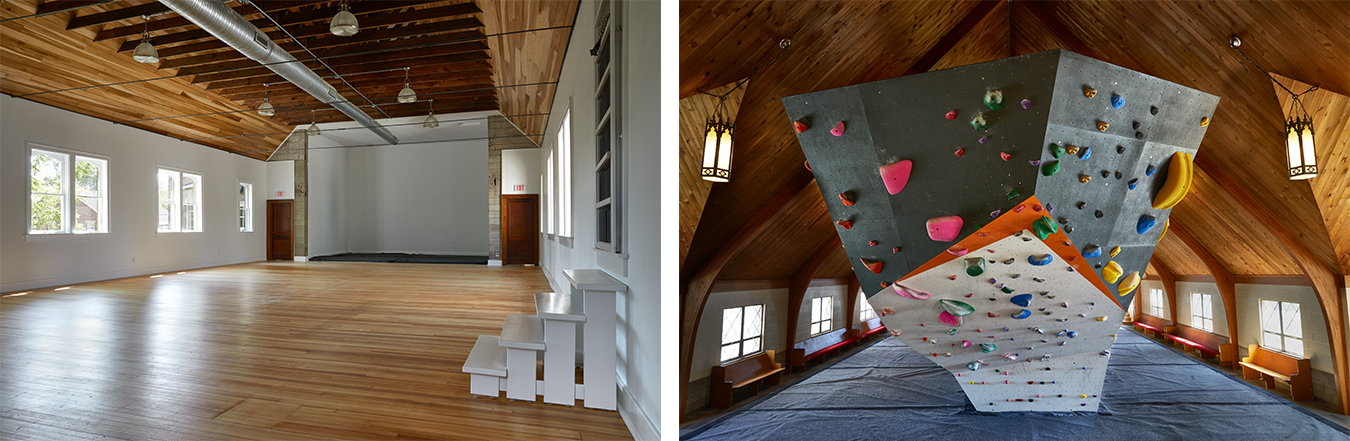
[
  {"x": 748, "y": 373},
  {"x": 1270, "y": 366}
]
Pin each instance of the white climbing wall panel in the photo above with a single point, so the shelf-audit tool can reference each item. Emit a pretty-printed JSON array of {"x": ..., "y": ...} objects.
[{"x": 1051, "y": 372}]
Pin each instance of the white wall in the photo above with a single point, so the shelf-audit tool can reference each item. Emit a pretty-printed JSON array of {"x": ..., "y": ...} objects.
[
  {"x": 708, "y": 342},
  {"x": 521, "y": 167},
  {"x": 133, "y": 247},
  {"x": 414, "y": 198},
  {"x": 280, "y": 180},
  {"x": 639, "y": 309},
  {"x": 1184, "y": 315},
  {"x": 837, "y": 298}
]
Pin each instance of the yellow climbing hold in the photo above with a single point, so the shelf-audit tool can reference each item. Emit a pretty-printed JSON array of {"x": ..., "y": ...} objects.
[
  {"x": 1112, "y": 272},
  {"x": 1164, "y": 231},
  {"x": 1204, "y": 121},
  {"x": 1177, "y": 184},
  {"x": 1129, "y": 284},
  {"x": 1115, "y": 251},
  {"x": 1102, "y": 319}
]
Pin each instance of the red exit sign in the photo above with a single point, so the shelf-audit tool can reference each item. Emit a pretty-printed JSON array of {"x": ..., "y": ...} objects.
[{"x": 520, "y": 187}]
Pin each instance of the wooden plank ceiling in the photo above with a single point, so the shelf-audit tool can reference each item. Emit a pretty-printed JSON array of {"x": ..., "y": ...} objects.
[
  {"x": 837, "y": 44},
  {"x": 463, "y": 56}
]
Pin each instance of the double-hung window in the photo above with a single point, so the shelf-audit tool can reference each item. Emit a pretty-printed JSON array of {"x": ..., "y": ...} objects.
[
  {"x": 245, "y": 207},
  {"x": 565, "y": 175},
  {"x": 1202, "y": 312},
  {"x": 68, "y": 192},
  {"x": 180, "y": 201},
  {"x": 1282, "y": 326},
  {"x": 609, "y": 148},
  {"x": 865, "y": 311},
  {"x": 822, "y": 313},
  {"x": 1155, "y": 302},
  {"x": 742, "y": 331}
]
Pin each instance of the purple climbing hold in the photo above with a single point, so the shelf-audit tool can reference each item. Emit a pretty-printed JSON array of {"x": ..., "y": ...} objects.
[
  {"x": 1026, "y": 104},
  {"x": 1035, "y": 162},
  {"x": 984, "y": 139},
  {"x": 1049, "y": 208},
  {"x": 995, "y": 213}
]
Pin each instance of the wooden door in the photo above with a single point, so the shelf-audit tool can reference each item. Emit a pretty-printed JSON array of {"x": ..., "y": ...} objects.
[
  {"x": 279, "y": 230},
  {"x": 520, "y": 229}
]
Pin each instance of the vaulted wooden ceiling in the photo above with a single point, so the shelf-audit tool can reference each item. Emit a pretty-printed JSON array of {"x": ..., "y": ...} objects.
[
  {"x": 464, "y": 55},
  {"x": 840, "y": 43}
]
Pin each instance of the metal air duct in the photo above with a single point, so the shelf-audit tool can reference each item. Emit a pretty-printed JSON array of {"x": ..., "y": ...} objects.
[{"x": 220, "y": 20}]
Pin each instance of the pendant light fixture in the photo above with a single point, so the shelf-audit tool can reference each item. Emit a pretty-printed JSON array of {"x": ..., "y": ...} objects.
[
  {"x": 344, "y": 23},
  {"x": 406, "y": 95},
  {"x": 145, "y": 52},
  {"x": 1298, "y": 129},
  {"x": 430, "y": 122},
  {"x": 266, "y": 108},
  {"x": 717, "y": 143},
  {"x": 313, "y": 128}
]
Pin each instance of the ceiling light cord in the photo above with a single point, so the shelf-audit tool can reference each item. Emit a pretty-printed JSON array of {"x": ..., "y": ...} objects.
[
  {"x": 1234, "y": 43},
  {"x": 782, "y": 47},
  {"x": 316, "y": 57}
]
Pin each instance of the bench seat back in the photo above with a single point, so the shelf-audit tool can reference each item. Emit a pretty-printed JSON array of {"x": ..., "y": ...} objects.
[
  {"x": 1275, "y": 361},
  {"x": 748, "y": 368}
]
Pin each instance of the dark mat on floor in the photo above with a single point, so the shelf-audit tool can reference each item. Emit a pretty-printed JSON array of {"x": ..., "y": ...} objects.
[
  {"x": 402, "y": 258},
  {"x": 889, "y": 391}
]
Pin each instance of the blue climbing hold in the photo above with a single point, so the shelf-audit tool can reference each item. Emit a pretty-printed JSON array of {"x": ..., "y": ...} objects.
[
  {"x": 1133, "y": 182},
  {"x": 1023, "y": 300},
  {"x": 1117, "y": 101},
  {"x": 1146, "y": 223},
  {"x": 1041, "y": 260},
  {"x": 1092, "y": 251},
  {"x": 1087, "y": 153},
  {"x": 1073, "y": 334},
  {"x": 1150, "y": 170},
  {"x": 1022, "y": 314}
]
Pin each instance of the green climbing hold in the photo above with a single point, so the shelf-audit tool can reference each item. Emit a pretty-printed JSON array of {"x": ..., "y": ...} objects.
[
  {"x": 986, "y": 347},
  {"x": 978, "y": 122},
  {"x": 975, "y": 266},
  {"x": 1006, "y": 290},
  {"x": 1044, "y": 227},
  {"x": 1056, "y": 150},
  {"x": 994, "y": 100},
  {"x": 1050, "y": 168},
  {"x": 1013, "y": 193},
  {"x": 956, "y": 308}
]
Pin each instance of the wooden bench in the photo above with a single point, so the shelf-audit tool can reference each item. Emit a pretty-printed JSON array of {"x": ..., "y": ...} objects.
[
  {"x": 1205, "y": 351},
  {"x": 820, "y": 347},
  {"x": 1146, "y": 328},
  {"x": 486, "y": 367},
  {"x": 868, "y": 330},
  {"x": 749, "y": 373},
  {"x": 1271, "y": 365}
]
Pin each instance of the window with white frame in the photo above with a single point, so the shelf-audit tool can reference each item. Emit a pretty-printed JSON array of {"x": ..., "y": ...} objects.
[
  {"x": 180, "y": 201},
  {"x": 68, "y": 193},
  {"x": 1155, "y": 302},
  {"x": 822, "y": 311},
  {"x": 609, "y": 148},
  {"x": 565, "y": 175},
  {"x": 1202, "y": 312},
  {"x": 1282, "y": 326},
  {"x": 245, "y": 207},
  {"x": 742, "y": 331},
  {"x": 549, "y": 195},
  {"x": 865, "y": 311}
]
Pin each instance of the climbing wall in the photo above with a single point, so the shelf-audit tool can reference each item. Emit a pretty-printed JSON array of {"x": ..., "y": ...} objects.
[{"x": 1000, "y": 213}]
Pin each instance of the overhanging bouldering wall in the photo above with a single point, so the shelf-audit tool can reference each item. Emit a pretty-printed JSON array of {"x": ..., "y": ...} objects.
[{"x": 999, "y": 214}]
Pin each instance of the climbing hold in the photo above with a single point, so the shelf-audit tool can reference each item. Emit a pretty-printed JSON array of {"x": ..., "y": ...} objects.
[
  {"x": 986, "y": 347},
  {"x": 944, "y": 228},
  {"x": 1022, "y": 314},
  {"x": 995, "y": 213},
  {"x": 1106, "y": 173},
  {"x": 843, "y": 197},
  {"x": 1119, "y": 175},
  {"x": 1204, "y": 121},
  {"x": 1089, "y": 92},
  {"x": 1150, "y": 170},
  {"x": 801, "y": 127},
  {"x": 1026, "y": 103},
  {"x": 1117, "y": 101},
  {"x": 895, "y": 250},
  {"x": 1133, "y": 182},
  {"x": 1017, "y": 276},
  {"x": 1063, "y": 220},
  {"x": 1129, "y": 284},
  {"x": 993, "y": 314},
  {"x": 974, "y": 266},
  {"x": 1073, "y": 334},
  {"x": 951, "y": 115},
  {"x": 1006, "y": 290},
  {"x": 1087, "y": 153},
  {"x": 984, "y": 139},
  {"x": 957, "y": 250},
  {"x": 888, "y": 311},
  {"x": 1040, "y": 260},
  {"x": 1013, "y": 193},
  {"x": 1120, "y": 149},
  {"x": 1102, "y": 126},
  {"x": 1101, "y": 319},
  {"x": 1135, "y": 125},
  {"x": 875, "y": 267},
  {"x": 1152, "y": 110},
  {"x": 1138, "y": 135},
  {"x": 1112, "y": 272},
  {"x": 961, "y": 151},
  {"x": 1084, "y": 178},
  {"x": 1037, "y": 208},
  {"x": 1164, "y": 230},
  {"x": 1092, "y": 251},
  {"x": 1098, "y": 214},
  {"x": 1068, "y": 228},
  {"x": 1056, "y": 150},
  {"x": 1049, "y": 208},
  {"x": 978, "y": 122},
  {"x": 1034, "y": 162},
  {"x": 1044, "y": 227},
  {"x": 1146, "y": 223},
  {"x": 1080, "y": 205},
  {"x": 1023, "y": 300},
  {"x": 1071, "y": 149},
  {"x": 844, "y": 223},
  {"x": 808, "y": 165},
  {"x": 993, "y": 99},
  {"x": 956, "y": 307},
  {"x": 838, "y": 129},
  {"x": 1178, "y": 182},
  {"x": 1004, "y": 155},
  {"x": 972, "y": 366},
  {"x": 871, "y": 243},
  {"x": 896, "y": 175},
  {"x": 966, "y": 343},
  {"x": 951, "y": 277},
  {"x": 950, "y": 320},
  {"x": 1009, "y": 261},
  {"x": 1038, "y": 279},
  {"x": 969, "y": 294},
  {"x": 905, "y": 291}
]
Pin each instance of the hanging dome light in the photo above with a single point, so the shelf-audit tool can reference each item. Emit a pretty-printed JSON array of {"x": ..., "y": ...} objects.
[
  {"x": 145, "y": 52},
  {"x": 406, "y": 95},
  {"x": 344, "y": 23},
  {"x": 430, "y": 122},
  {"x": 266, "y": 108},
  {"x": 313, "y": 128}
]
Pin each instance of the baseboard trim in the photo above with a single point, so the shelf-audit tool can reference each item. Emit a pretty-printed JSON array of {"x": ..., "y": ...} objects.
[
  {"x": 494, "y": 262},
  {"x": 98, "y": 276},
  {"x": 639, "y": 423},
  {"x": 301, "y": 258}
]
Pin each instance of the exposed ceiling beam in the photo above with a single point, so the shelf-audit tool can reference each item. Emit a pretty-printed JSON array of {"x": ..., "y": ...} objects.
[
  {"x": 320, "y": 14},
  {"x": 55, "y": 6},
  {"x": 394, "y": 75},
  {"x": 327, "y": 41},
  {"x": 418, "y": 57},
  {"x": 949, "y": 41},
  {"x": 334, "y": 57},
  {"x": 373, "y": 46},
  {"x": 801, "y": 279},
  {"x": 442, "y": 66},
  {"x": 1057, "y": 28},
  {"x": 697, "y": 283},
  {"x": 388, "y": 95},
  {"x": 418, "y": 82},
  {"x": 116, "y": 15}
]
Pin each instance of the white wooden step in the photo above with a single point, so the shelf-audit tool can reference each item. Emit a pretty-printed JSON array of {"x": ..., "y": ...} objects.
[
  {"x": 523, "y": 332},
  {"x": 558, "y": 306},
  {"x": 487, "y": 357}
]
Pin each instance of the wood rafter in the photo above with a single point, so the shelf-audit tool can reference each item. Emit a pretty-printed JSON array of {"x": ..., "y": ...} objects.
[
  {"x": 1223, "y": 278},
  {"x": 56, "y": 6},
  {"x": 801, "y": 280},
  {"x": 423, "y": 58},
  {"x": 363, "y": 9},
  {"x": 953, "y": 37},
  {"x": 1169, "y": 282},
  {"x": 442, "y": 67}
]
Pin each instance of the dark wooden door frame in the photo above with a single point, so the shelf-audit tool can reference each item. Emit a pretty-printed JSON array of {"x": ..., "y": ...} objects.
[
  {"x": 272, "y": 206},
  {"x": 510, "y": 256}
]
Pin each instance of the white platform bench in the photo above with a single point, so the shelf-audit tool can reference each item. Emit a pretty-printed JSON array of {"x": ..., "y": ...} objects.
[
  {"x": 486, "y": 367},
  {"x": 561, "y": 316},
  {"x": 523, "y": 338}
]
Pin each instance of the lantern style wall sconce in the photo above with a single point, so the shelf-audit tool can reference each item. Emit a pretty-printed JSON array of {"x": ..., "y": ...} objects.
[
  {"x": 1298, "y": 129},
  {"x": 717, "y": 145}
]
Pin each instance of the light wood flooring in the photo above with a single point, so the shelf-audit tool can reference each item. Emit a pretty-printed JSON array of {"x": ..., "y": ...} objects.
[{"x": 272, "y": 351}]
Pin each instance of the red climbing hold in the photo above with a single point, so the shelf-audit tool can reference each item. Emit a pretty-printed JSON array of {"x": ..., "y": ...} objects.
[
  {"x": 1019, "y": 208},
  {"x": 871, "y": 243},
  {"x": 961, "y": 151},
  {"x": 838, "y": 129},
  {"x": 1037, "y": 208},
  {"x": 844, "y": 223},
  {"x": 951, "y": 277},
  {"x": 968, "y": 295},
  {"x": 808, "y": 165},
  {"x": 951, "y": 115},
  {"x": 875, "y": 267},
  {"x": 895, "y": 250},
  {"x": 799, "y": 126},
  {"x": 1004, "y": 155},
  {"x": 845, "y": 199}
]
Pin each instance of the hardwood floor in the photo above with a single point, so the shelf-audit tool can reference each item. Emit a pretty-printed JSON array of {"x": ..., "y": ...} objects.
[{"x": 271, "y": 351}]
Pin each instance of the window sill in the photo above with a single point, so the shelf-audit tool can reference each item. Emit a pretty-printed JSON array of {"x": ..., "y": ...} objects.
[
  {"x": 65, "y": 236},
  {"x": 623, "y": 256},
  {"x": 566, "y": 241},
  {"x": 743, "y": 357}
]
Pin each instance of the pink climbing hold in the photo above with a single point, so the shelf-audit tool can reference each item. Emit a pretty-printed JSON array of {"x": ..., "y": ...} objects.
[
  {"x": 896, "y": 175},
  {"x": 965, "y": 343},
  {"x": 957, "y": 250},
  {"x": 944, "y": 228},
  {"x": 808, "y": 165},
  {"x": 1004, "y": 155},
  {"x": 838, "y": 129},
  {"x": 887, "y": 311},
  {"x": 915, "y": 294},
  {"x": 951, "y": 115},
  {"x": 1019, "y": 208},
  {"x": 799, "y": 126},
  {"x": 950, "y": 320}
]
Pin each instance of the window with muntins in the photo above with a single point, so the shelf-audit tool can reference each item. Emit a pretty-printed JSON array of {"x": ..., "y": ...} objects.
[
  {"x": 609, "y": 158},
  {"x": 1202, "y": 312},
  {"x": 865, "y": 311},
  {"x": 742, "y": 331},
  {"x": 822, "y": 313},
  {"x": 245, "y": 207},
  {"x": 1155, "y": 302},
  {"x": 565, "y": 175},
  {"x": 180, "y": 201},
  {"x": 68, "y": 193},
  {"x": 549, "y": 195},
  {"x": 1282, "y": 326}
]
